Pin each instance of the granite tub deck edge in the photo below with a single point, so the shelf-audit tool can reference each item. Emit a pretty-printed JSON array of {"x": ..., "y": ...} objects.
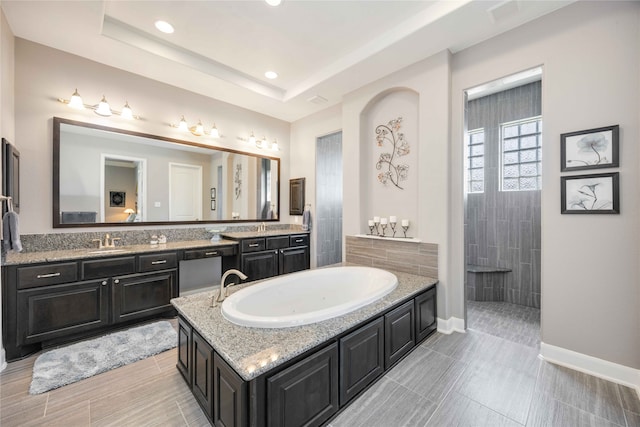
[{"x": 254, "y": 351}]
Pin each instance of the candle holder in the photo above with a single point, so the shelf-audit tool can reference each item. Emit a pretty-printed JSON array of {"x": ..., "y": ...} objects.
[
  {"x": 371, "y": 230},
  {"x": 393, "y": 227},
  {"x": 384, "y": 229},
  {"x": 376, "y": 223},
  {"x": 404, "y": 229}
]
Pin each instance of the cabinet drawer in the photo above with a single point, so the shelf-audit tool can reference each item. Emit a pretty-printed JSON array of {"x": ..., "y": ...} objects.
[
  {"x": 50, "y": 274},
  {"x": 278, "y": 242},
  {"x": 253, "y": 245},
  {"x": 155, "y": 262},
  {"x": 93, "y": 269},
  {"x": 210, "y": 252},
  {"x": 299, "y": 240}
]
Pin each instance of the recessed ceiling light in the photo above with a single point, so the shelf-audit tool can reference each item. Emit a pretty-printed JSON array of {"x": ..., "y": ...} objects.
[
  {"x": 271, "y": 75},
  {"x": 164, "y": 26},
  {"x": 273, "y": 2}
]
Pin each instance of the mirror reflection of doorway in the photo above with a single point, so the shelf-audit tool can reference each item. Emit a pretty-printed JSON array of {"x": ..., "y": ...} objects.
[
  {"x": 123, "y": 184},
  {"x": 185, "y": 192}
]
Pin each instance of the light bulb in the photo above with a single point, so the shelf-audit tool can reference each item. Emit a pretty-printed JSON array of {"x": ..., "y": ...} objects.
[
  {"x": 214, "y": 132},
  {"x": 76, "y": 101},
  {"x": 183, "y": 125},
  {"x": 199, "y": 128},
  {"x": 103, "y": 108},
  {"x": 274, "y": 145},
  {"x": 126, "y": 111}
]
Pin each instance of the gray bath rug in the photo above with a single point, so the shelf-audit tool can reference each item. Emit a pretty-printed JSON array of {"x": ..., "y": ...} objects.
[{"x": 66, "y": 365}]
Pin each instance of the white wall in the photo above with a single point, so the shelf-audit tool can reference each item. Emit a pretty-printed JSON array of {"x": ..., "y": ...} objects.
[
  {"x": 430, "y": 80},
  {"x": 44, "y": 74},
  {"x": 590, "y": 54},
  {"x": 304, "y": 133},
  {"x": 7, "y": 77}
]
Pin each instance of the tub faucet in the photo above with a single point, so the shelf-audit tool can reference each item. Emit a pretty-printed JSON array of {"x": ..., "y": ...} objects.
[{"x": 220, "y": 295}]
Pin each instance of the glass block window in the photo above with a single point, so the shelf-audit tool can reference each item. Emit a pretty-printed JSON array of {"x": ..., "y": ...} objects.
[
  {"x": 521, "y": 154},
  {"x": 475, "y": 161}
]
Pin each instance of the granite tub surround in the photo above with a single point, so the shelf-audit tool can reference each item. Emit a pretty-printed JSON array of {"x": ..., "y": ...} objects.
[
  {"x": 12, "y": 258},
  {"x": 254, "y": 351},
  {"x": 409, "y": 257}
]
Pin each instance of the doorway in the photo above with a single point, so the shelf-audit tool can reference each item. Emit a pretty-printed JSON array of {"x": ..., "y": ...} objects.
[
  {"x": 503, "y": 165},
  {"x": 328, "y": 199},
  {"x": 123, "y": 188},
  {"x": 185, "y": 192}
]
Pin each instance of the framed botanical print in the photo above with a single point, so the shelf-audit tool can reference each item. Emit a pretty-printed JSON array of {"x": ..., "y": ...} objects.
[{"x": 590, "y": 149}]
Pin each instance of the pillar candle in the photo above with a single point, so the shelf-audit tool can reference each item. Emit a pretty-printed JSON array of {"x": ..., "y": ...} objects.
[{"x": 405, "y": 222}]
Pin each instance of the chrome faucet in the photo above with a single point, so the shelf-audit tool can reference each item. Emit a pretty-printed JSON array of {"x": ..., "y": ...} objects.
[{"x": 220, "y": 295}]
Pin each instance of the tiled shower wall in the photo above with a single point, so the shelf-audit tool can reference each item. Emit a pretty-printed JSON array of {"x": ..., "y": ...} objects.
[
  {"x": 502, "y": 229},
  {"x": 329, "y": 199}
]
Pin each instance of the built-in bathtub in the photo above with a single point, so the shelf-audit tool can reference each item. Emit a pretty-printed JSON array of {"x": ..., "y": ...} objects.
[{"x": 307, "y": 297}]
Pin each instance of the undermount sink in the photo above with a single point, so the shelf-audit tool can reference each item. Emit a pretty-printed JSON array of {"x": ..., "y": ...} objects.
[{"x": 108, "y": 251}]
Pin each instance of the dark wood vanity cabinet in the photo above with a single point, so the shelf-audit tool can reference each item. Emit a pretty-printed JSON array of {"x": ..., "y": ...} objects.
[
  {"x": 56, "y": 302},
  {"x": 202, "y": 373},
  {"x": 361, "y": 359},
  {"x": 399, "y": 333},
  {"x": 142, "y": 295},
  {"x": 264, "y": 257},
  {"x": 46, "y": 313},
  {"x": 219, "y": 390},
  {"x": 305, "y": 394},
  {"x": 426, "y": 314},
  {"x": 313, "y": 387}
]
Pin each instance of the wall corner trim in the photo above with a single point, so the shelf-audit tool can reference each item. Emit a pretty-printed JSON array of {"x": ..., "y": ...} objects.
[
  {"x": 604, "y": 369},
  {"x": 452, "y": 324},
  {"x": 3, "y": 360}
]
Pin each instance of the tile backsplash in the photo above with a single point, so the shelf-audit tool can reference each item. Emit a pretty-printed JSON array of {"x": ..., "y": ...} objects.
[
  {"x": 79, "y": 240},
  {"x": 409, "y": 257}
]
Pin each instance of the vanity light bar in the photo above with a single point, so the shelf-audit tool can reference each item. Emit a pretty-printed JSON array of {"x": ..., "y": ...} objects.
[
  {"x": 102, "y": 108},
  {"x": 260, "y": 143},
  {"x": 198, "y": 129}
]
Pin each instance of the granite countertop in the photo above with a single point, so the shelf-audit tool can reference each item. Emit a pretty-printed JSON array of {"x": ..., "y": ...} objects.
[
  {"x": 254, "y": 234},
  {"x": 254, "y": 351},
  {"x": 73, "y": 254}
]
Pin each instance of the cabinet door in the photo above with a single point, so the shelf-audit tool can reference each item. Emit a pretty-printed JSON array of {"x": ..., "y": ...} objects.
[
  {"x": 142, "y": 295},
  {"x": 294, "y": 259},
  {"x": 260, "y": 265},
  {"x": 361, "y": 359},
  {"x": 305, "y": 394},
  {"x": 184, "y": 350},
  {"x": 229, "y": 396},
  {"x": 399, "y": 333},
  {"x": 426, "y": 314},
  {"x": 202, "y": 386},
  {"x": 60, "y": 310}
]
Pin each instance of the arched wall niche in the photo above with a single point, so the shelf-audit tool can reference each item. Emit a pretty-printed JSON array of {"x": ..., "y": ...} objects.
[{"x": 384, "y": 200}]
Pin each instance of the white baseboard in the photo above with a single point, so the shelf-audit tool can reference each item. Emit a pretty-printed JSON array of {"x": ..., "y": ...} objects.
[
  {"x": 591, "y": 365},
  {"x": 452, "y": 324}
]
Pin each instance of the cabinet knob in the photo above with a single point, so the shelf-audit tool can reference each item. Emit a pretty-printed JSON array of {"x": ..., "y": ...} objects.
[
  {"x": 104, "y": 283},
  {"x": 116, "y": 281}
]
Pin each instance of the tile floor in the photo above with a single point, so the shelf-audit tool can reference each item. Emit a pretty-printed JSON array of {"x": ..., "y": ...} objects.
[
  {"x": 481, "y": 378},
  {"x": 490, "y": 376}
]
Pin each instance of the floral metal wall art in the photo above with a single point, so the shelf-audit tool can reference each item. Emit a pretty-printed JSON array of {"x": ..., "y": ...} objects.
[{"x": 391, "y": 171}]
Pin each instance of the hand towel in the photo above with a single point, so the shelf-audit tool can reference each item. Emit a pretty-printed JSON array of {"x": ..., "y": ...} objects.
[
  {"x": 306, "y": 220},
  {"x": 11, "y": 232}
]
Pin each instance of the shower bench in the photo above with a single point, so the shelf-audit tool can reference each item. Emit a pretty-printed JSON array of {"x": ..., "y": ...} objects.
[{"x": 486, "y": 283}]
